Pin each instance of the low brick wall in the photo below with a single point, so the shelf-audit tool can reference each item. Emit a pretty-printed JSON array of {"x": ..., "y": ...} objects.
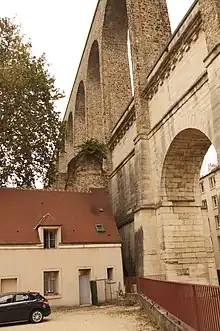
[{"x": 164, "y": 321}]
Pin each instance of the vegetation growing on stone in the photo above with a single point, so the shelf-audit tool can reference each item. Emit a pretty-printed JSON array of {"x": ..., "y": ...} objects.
[
  {"x": 29, "y": 125},
  {"x": 92, "y": 149}
]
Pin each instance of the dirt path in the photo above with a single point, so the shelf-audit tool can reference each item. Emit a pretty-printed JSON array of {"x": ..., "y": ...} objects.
[{"x": 91, "y": 319}]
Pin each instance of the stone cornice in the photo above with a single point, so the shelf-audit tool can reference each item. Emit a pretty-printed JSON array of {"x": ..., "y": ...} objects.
[
  {"x": 123, "y": 116},
  {"x": 140, "y": 136},
  {"x": 172, "y": 55},
  {"x": 166, "y": 204},
  {"x": 123, "y": 126}
]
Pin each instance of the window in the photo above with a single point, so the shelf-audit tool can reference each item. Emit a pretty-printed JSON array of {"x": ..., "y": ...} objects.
[
  {"x": 212, "y": 182},
  {"x": 8, "y": 285},
  {"x": 21, "y": 297},
  {"x": 100, "y": 228},
  {"x": 202, "y": 187},
  {"x": 218, "y": 272},
  {"x": 50, "y": 238},
  {"x": 110, "y": 273},
  {"x": 219, "y": 243},
  {"x": 217, "y": 221},
  {"x": 6, "y": 299},
  {"x": 204, "y": 204},
  {"x": 51, "y": 282},
  {"x": 215, "y": 201},
  {"x": 36, "y": 296}
]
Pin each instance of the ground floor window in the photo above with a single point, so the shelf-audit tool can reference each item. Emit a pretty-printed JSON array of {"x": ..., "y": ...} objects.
[
  {"x": 8, "y": 285},
  {"x": 51, "y": 283}
]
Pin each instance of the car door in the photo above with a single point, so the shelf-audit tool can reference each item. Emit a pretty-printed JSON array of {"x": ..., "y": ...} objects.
[
  {"x": 20, "y": 307},
  {"x": 5, "y": 302}
]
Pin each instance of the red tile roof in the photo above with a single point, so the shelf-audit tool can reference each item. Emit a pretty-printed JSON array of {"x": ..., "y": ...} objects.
[{"x": 22, "y": 211}]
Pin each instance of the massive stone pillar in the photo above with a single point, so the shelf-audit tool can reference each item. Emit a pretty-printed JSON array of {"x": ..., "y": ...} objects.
[
  {"x": 149, "y": 32},
  {"x": 211, "y": 21},
  {"x": 210, "y": 11},
  {"x": 84, "y": 174},
  {"x": 147, "y": 24}
]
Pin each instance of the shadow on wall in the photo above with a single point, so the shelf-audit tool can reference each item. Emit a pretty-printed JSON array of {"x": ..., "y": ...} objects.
[{"x": 139, "y": 252}]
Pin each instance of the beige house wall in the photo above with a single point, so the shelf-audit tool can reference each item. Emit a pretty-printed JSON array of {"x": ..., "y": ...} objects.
[{"x": 28, "y": 264}]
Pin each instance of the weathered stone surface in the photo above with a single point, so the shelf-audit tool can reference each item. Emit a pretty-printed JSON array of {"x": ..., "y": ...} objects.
[
  {"x": 211, "y": 21},
  {"x": 158, "y": 139}
]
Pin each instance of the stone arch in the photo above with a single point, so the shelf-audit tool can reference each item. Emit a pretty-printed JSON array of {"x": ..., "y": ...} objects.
[
  {"x": 184, "y": 233},
  {"x": 93, "y": 93},
  {"x": 182, "y": 165},
  {"x": 70, "y": 129},
  {"x": 79, "y": 118},
  {"x": 116, "y": 73}
]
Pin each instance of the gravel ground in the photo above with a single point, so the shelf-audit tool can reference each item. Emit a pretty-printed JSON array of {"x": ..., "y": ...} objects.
[{"x": 91, "y": 319}]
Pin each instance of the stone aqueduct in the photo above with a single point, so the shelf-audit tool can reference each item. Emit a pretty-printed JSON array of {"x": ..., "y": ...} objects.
[{"x": 157, "y": 135}]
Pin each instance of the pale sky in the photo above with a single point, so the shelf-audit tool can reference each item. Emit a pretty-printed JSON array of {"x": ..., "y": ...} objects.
[{"x": 60, "y": 28}]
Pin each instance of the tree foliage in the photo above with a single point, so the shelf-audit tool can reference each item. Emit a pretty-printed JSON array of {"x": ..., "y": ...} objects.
[{"x": 29, "y": 125}]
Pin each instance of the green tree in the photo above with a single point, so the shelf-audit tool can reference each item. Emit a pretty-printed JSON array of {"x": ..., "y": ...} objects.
[{"x": 29, "y": 124}]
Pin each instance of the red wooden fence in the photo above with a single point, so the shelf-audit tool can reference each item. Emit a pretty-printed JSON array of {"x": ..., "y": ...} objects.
[{"x": 196, "y": 305}]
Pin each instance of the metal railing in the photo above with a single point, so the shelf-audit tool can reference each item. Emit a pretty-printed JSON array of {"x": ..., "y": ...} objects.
[{"x": 196, "y": 305}]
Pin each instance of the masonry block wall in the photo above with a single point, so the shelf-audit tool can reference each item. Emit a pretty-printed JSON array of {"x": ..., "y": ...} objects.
[{"x": 156, "y": 138}]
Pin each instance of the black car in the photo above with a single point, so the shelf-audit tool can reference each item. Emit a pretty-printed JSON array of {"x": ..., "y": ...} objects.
[{"x": 23, "y": 306}]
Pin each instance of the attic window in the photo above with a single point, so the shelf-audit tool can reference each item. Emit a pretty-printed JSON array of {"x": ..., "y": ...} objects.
[
  {"x": 50, "y": 238},
  {"x": 100, "y": 228}
]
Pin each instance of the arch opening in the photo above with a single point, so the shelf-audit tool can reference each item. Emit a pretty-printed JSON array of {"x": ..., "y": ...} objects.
[
  {"x": 79, "y": 118},
  {"x": 187, "y": 226},
  {"x": 70, "y": 129},
  {"x": 182, "y": 166},
  {"x": 210, "y": 161},
  {"x": 117, "y": 60},
  {"x": 94, "y": 99}
]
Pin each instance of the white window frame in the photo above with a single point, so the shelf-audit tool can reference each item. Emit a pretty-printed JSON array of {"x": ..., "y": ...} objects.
[
  {"x": 212, "y": 182},
  {"x": 215, "y": 198},
  {"x": 204, "y": 204},
  {"x": 10, "y": 277},
  {"x": 52, "y": 228},
  {"x": 50, "y": 241},
  {"x": 217, "y": 221},
  {"x": 202, "y": 188},
  {"x": 55, "y": 293}
]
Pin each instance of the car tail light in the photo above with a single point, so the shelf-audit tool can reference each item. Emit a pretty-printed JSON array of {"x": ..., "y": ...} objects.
[{"x": 45, "y": 302}]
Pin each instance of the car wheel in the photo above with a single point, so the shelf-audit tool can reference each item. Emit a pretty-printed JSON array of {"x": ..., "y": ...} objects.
[{"x": 36, "y": 316}]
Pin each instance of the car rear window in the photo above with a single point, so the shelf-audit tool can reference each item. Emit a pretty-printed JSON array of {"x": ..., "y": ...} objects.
[{"x": 36, "y": 296}]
